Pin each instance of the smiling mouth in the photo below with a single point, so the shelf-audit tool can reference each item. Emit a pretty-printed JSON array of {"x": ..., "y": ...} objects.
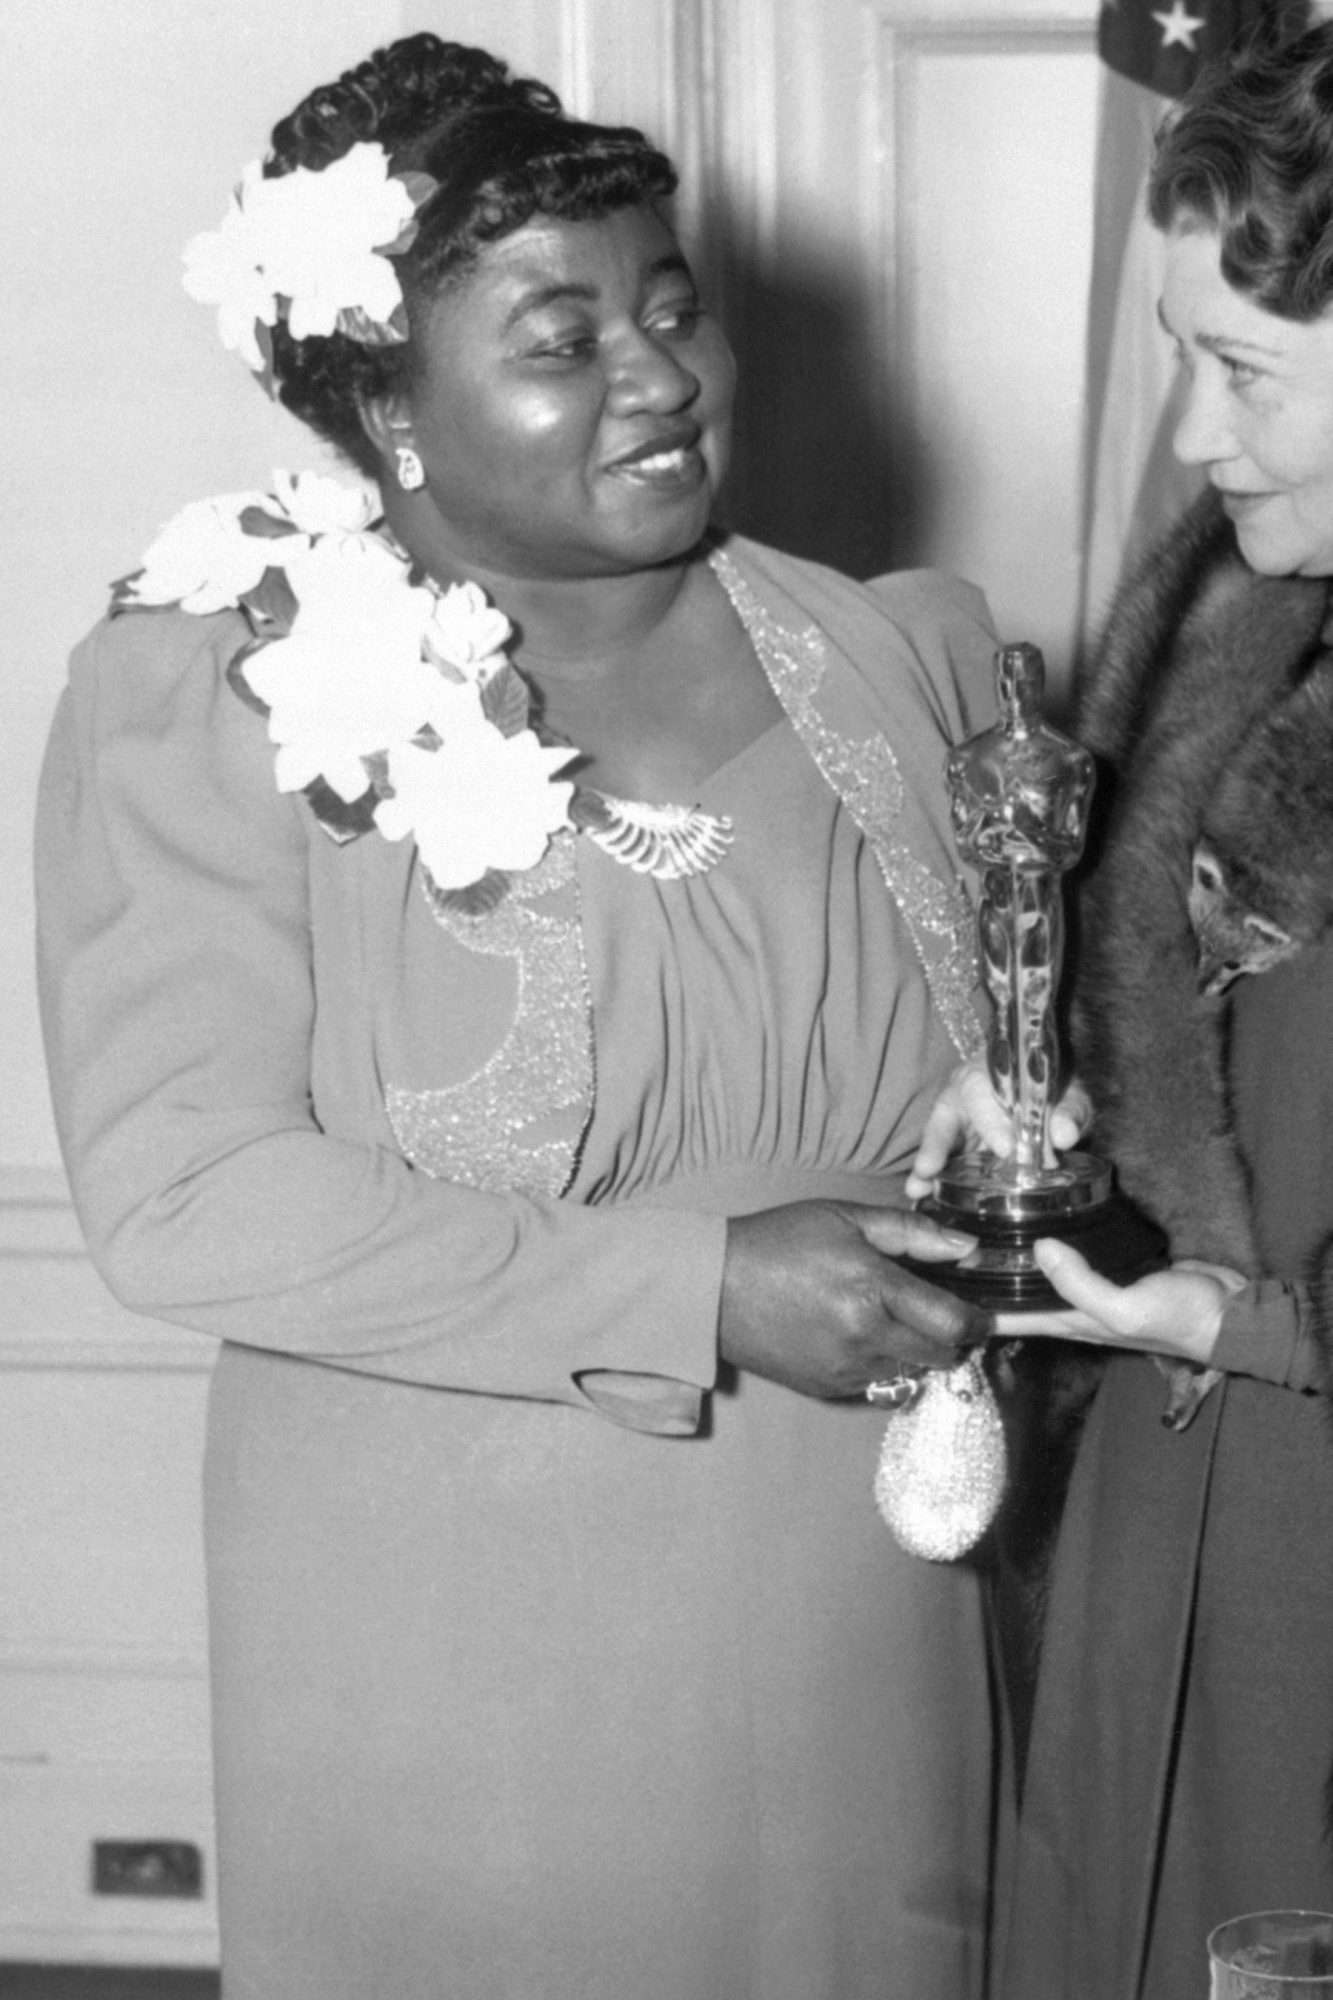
[
  {"x": 674, "y": 460},
  {"x": 670, "y": 463},
  {"x": 672, "y": 455}
]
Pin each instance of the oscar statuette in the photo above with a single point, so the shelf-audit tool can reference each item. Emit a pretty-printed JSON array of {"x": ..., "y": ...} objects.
[{"x": 1019, "y": 795}]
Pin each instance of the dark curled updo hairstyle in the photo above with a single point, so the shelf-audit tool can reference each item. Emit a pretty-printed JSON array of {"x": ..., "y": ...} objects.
[
  {"x": 502, "y": 151},
  {"x": 1250, "y": 154}
]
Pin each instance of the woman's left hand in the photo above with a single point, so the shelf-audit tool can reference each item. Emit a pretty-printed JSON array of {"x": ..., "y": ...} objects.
[
  {"x": 967, "y": 1113},
  {"x": 1177, "y": 1312}
]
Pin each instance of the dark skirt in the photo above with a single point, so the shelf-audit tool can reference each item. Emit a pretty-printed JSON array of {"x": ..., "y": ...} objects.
[{"x": 1182, "y": 1735}]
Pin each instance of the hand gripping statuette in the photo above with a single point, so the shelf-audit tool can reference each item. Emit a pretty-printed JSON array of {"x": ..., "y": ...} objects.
[{"x": 1020, "y": 793}]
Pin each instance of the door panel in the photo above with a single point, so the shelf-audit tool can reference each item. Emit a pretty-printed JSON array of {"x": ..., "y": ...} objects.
[{"x": 987, "y": 295}]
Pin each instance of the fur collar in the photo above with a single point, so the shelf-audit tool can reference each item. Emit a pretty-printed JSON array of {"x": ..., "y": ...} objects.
[{"x": 1211, "y": 706}]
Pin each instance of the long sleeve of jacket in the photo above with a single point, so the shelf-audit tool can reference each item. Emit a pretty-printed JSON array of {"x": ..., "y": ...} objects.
[
  {"x": 179, "y": 1004},
  {"x": 1267, "y": 1332}
]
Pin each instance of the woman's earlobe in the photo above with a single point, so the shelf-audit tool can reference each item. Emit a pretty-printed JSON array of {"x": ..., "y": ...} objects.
[{"x": 389, "y": 427}]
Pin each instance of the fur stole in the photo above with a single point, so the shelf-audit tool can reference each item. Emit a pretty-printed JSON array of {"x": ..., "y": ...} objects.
[{"x": 1210, "y": 707}]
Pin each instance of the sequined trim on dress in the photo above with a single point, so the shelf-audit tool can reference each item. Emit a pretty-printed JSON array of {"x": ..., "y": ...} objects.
[
  {"x": 481, "y": 1132},
  {"x": 864, "y": 773}
]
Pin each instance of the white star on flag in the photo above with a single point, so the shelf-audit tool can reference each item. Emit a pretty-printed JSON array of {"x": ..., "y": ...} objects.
[{"x": 1178, "y": 27}]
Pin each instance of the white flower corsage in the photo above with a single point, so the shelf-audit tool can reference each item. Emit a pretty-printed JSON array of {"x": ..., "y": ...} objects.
[
  {"x": 393, "y": 704},
  {"x": 311, "y": 248},
  {"x": 214, "y": 552}
]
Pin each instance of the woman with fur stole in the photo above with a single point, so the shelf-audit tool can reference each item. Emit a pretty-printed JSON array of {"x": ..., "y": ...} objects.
[{"x": 1182, "y": 1729}]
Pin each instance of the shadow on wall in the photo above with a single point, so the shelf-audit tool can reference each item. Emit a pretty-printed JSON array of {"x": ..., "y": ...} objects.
[{"x": 824, "y": 463}]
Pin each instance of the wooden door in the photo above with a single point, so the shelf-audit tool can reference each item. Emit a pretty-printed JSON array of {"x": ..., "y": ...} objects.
[{"x": 906, "y": 259}]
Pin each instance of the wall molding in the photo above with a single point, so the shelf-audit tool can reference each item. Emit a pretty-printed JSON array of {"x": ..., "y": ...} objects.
[
  {"x": 55, "y": 1312},
  {"x": 88, "y": 1944},
  {"x": 144, "y": 1357},
  {"x": 576, "y": 83},
  {"x": 997, "y": 33},
  {"x": 69, "y": 1659},
  {"x": 725, "y": 129}
]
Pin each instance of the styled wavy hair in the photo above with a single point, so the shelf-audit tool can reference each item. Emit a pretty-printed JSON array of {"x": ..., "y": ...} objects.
[
  {"x": 501, "y": 149},
  {"x": 1249, "y": 152}
]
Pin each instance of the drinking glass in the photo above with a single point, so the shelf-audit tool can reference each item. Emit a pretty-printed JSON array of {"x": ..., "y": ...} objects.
[{"x": 1273, "y": 1955}]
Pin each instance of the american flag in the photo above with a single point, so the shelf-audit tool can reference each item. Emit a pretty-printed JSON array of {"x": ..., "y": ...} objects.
[{"x": 1151, "y": 51}]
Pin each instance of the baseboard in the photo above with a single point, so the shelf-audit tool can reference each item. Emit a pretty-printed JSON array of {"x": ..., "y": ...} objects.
[{"x": 32, "y": 1981}]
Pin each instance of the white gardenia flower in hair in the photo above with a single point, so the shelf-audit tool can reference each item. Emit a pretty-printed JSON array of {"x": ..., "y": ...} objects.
[
  {"x": 349, "y": 680},
  {"x": 223, "y": 269},
  {"x": 202, "y": 559},
  {"x": 320, "y": 234},
  {"x": 481, "y": 801}
]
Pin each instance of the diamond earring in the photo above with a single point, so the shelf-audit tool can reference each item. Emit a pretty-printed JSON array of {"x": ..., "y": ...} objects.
[{"x": 411, "y": 472}]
